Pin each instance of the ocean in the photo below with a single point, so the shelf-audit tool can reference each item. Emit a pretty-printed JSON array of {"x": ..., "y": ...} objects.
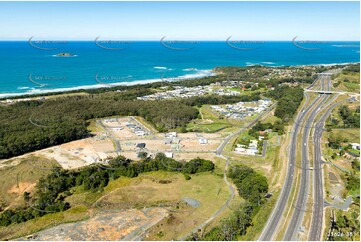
[{"x": 32, "y": 67}]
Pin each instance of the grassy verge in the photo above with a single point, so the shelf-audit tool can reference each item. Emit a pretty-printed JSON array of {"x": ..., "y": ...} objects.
[
  {"x": 32, "y": 226},
  {"x": 147, "y": 190},
  {"x": 260, "y": 219},
  {"x": 353, "y": 135},
  {"x": 347, "y": 82},
  {"x": 14, "y": 180}
]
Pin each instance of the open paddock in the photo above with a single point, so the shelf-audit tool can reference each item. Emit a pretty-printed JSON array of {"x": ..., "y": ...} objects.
[
  {"x": 80, "y": 153},
  {"x": 194, "y": 145},
  {"x": 192, "y": 135},
  {"x": 190, "y": 156},
  {"x": 152, "y": 145}
]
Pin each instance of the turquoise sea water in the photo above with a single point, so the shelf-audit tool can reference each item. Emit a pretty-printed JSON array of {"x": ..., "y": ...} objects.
[{"x": 33, "y": 67}]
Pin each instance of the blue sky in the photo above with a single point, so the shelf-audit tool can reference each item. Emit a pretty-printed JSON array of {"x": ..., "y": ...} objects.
[{"x": 180, "y": 20}]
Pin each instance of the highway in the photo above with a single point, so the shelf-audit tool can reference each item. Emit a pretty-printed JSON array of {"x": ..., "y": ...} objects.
[
  {"x": 313, "y": 83},
  {"x": 274, "y": 220},
  {"x": 317, "y": 215},
  {"x": 301, "y": 202}
]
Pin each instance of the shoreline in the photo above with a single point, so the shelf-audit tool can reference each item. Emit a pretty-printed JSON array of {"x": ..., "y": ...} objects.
[{"x": 200, "y": 74}]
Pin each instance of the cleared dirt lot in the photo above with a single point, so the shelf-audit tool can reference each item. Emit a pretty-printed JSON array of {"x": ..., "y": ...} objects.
[
  {"x": 80, "y": 153},
  {"x": 129, "y": 132},
  {"x": 124, "y": 225},
  {"x": 153, "y": 206},
  {"x": 124, "y": 131}
]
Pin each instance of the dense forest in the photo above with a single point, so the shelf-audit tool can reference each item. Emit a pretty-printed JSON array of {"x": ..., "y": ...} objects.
[
  {"x": 289, "y": 99},
  {"x": 351, "y": 69},
  {"x": 52, "y": 190},
  {"x": 146, "y": 88},
  {"x": 350, "y": 119},
  {"x": 33, "y": 125},
  {"x": 345, "y": 228},
  {"x": 251, "y": 186},
  {"x": 265, "y": 75},
  {"x": 278, "y": 127}
]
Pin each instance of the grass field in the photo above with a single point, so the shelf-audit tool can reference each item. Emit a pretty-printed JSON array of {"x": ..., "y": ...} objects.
[
  {"x": 14, "y": 180},
  {"x": 270, "y": 119},
  {"x": 148, "y": 190},
  {"x": 247, "y": 92},
  {"x": 353, "y": 135},
  {"x": 352, "y": 85},
  {"x": 32, "y": 226},
  {"x": 244, "y": 137},
  {"x": 259, "y": 221},
  {"x": 208, "y": 128},
  {"x": 210, "y": 122}
]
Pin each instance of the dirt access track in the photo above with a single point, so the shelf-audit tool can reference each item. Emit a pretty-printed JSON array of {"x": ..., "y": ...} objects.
[{"x": 130, "y": 224}]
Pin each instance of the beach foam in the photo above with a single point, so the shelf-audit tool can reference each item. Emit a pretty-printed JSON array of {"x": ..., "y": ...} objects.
[
  {"x": 346, "y": 46},
  {"x": 199, "y": 74},
  {"x": 190, "y": 69}
]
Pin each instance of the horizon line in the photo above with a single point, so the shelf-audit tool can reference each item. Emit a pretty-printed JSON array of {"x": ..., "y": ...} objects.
[{"x": 158, "y": 40}]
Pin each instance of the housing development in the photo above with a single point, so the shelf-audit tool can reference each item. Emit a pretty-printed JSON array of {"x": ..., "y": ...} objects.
[
  {"x": 304, "y": 165},
  {"x": 180, "y": 121}
]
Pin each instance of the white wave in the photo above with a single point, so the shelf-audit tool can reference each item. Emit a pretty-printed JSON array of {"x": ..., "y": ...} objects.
[
  {"x": 251, "y": 64},
  {"x": 160, "y": 67},
  {"x": 268, "y": 63},
  {"x": 345, "y": 46},
  {"x": 64, "y": 56},
  {"x": 23, "y": 88},
  {"x": 331, "y": 64},
  {"x": 190, "y": 69},
  {"x": 199, "y": 74}
]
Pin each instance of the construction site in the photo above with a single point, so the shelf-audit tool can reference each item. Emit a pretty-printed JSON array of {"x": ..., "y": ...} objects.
[{"x": 129, "y": 137}]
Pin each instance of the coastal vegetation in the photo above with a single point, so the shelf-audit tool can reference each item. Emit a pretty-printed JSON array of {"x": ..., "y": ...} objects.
[
  {"x": 33, "y": 125},
  {"x": 252, "y": 187},
  {"x": 350, "y": 118},
  {"x": 345, "y": 224},
  {"x": 348, "y": 79},
  {"x": 289, "y": 99},
  {"x": 52, "y": 190}
]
